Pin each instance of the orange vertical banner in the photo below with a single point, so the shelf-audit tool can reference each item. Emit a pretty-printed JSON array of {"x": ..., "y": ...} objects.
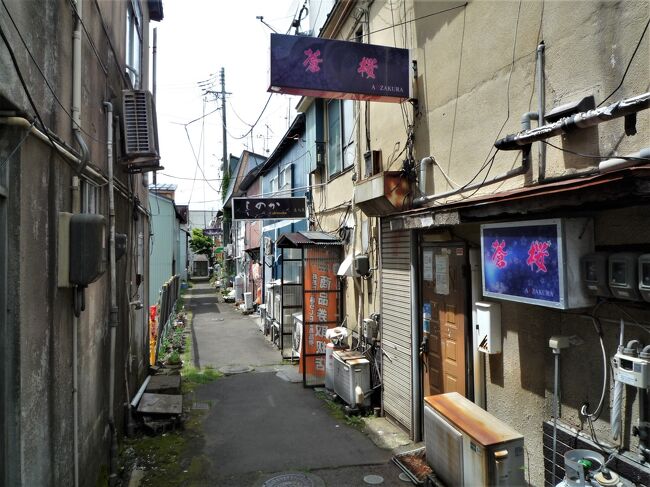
[{"x": 321, "y": 305}]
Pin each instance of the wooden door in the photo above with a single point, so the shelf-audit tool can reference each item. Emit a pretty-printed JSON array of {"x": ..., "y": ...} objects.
[{"x": 444, "y": 286}]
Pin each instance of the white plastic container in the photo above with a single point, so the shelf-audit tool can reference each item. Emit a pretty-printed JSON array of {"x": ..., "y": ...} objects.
[
  {"x": 239, "y": 288},
  {"x": 248, "y": 301}
]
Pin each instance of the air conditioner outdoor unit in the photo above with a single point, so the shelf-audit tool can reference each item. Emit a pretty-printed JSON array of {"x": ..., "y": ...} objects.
[
  {"x": 466, "y": 445},
  {"x": 351, "y": 377},
  {"x": 140, "y": 150}
]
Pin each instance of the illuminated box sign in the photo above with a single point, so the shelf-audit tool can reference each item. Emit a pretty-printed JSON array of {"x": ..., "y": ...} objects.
[
  {"x": 536, "y": 262},
  {"x": 211, "y": 232},
  {"x": 269, "y": 208},
  {"x": 327, "y": 68}
]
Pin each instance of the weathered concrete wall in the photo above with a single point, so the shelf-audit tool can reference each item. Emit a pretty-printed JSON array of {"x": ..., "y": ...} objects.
[{"x": 38, "y": 358}]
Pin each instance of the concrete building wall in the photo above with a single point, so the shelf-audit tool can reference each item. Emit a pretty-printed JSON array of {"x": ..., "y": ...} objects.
[{"x": 37, "y": 411}]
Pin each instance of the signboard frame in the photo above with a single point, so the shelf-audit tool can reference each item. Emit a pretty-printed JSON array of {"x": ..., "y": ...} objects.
[
  {"x": 333, "y": 68},
  {"x": 510, "y": 231},
  {"x": 258, "y": 213}
]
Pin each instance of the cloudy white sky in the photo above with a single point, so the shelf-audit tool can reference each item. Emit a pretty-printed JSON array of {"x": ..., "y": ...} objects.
[{"x": 195, "y": 40}]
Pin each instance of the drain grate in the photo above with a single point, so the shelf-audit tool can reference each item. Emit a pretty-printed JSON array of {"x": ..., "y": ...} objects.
[{"x": 293, "y": 480}]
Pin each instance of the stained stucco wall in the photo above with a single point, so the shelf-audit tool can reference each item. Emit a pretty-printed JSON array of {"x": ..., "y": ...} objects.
[{"x": 471, "y": 92}]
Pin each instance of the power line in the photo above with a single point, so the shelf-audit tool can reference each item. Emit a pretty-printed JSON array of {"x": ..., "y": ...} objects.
[
  {"x": 416, "y": 19},
  {"x": 38, "y": 68},
  {"x": 628, "y": 64},
  {"x": 14, "y": 61},
  {"x": 593, "y": 156},
  {"x": 190, "y": 179}
]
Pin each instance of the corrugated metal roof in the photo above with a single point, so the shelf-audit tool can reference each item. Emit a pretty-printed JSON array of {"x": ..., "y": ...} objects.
[{"x": 299, "y": 239}]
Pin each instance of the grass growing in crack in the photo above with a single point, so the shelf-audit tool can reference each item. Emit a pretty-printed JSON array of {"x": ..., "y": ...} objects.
[
  {"x": 337, "y": 411},
  {"x": 193, "y": 376}
]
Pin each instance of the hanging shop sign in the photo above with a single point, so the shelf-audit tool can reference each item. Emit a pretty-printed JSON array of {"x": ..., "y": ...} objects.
[
  {"x": 269, "y": 208},
  {"x": 327, "y": 68},
  {"x": 536, "y": 262},
  {"x": 211, "y": 232}
]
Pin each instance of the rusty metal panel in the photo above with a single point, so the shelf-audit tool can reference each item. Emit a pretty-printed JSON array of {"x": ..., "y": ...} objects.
[{"x": 484, "y": 428}]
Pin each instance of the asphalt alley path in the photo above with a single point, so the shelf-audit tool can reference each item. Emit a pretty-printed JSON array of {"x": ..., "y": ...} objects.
[{"x": 259, "y": 425}]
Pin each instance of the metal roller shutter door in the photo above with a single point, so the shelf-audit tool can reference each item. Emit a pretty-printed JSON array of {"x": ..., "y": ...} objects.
[{"x": 396, "y": 324}]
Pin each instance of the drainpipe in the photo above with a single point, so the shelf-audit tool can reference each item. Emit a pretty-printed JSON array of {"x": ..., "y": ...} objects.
[
  {"x": 580, "y": 120},
  {"x": 76, "y": 208},
  {"x": 479, "y": 358},
  {"x": 76, "y": 88},
  {"x": 541, "y": 89},
  {"x": 113, "y": 321},
  {"x": 416, "y": 374}
]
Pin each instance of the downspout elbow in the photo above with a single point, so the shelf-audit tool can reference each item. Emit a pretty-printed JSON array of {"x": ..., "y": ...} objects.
[
  {"x": 85, "y": 152},
  {"x": 424, "y": 165},
  {"x": 526, "y": 118}
]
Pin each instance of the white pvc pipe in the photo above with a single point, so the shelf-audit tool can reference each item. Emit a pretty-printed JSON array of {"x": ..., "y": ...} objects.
[{"x": 618, "y": 163}]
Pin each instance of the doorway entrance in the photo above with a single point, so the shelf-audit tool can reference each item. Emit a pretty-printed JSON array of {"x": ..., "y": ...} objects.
[{"x": 445, "y": 289}]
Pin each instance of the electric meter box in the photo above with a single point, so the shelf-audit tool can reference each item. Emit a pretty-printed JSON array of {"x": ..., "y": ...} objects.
[
  {"x": 87, "y": 248},
  {"x": 623, "y": 275},
  {"x": 488, "y": 323},
  {"x": 537, "y": 261},
  {"x": 644, "y": 276},
  {"x": 630, "y": 370},
  {"x": 594, "y": 274}
]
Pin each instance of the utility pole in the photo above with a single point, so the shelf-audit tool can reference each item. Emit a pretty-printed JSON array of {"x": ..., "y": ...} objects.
[
  {"x": 154, "y": 56},
  {"x": 225, "y": 169}
]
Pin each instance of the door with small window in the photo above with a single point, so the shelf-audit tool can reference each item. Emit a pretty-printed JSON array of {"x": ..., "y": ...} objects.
[{"x": 445, "y": 291}]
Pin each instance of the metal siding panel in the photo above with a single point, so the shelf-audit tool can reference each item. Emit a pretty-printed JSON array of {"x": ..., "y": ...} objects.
[{"x": 396, "y": 329}]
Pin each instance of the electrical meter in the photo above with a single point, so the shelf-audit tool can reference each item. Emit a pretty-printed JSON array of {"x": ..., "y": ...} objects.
[
  {"x": 630, "y": 370},
  {"x": 644, "y": 276},
  {"x": 593, "y": 271},
  {"x": 623, "y": 275}
]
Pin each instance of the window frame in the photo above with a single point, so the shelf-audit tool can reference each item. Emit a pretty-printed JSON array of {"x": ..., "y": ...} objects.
[
  {"x": 346, "y": 147},
  {"x": 134, "y": 43}
]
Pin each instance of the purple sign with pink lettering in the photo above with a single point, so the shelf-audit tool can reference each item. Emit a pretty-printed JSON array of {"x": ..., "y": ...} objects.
[{"x": 327, "y": 68}]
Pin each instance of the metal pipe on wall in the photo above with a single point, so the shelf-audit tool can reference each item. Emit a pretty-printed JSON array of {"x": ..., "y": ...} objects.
[
  {"x": 113, "y": 321},
  {"x": 541, "y": 92},
  {"x": 76, "y": 208},
  {"x": 76, "y": 86},
  {"x": 416, "y": 374}
]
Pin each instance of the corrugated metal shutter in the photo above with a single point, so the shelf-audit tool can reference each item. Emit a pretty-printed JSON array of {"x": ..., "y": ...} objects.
[{"x": 396, "y": 324}]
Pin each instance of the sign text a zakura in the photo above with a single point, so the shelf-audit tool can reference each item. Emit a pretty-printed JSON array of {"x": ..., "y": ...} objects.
[
  {"x": 521, "y": 262},
  {"x": 328, "y": 68}
]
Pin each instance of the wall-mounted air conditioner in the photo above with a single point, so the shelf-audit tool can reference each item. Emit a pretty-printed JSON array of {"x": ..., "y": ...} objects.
[
  {"x": 466, "y": 445},
  {"x": 351, "y": 377},
  {"x": 140, "y": 152}
]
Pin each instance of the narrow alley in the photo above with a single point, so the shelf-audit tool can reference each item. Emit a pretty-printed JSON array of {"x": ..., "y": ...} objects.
[{"x": 262, "y": 426}]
